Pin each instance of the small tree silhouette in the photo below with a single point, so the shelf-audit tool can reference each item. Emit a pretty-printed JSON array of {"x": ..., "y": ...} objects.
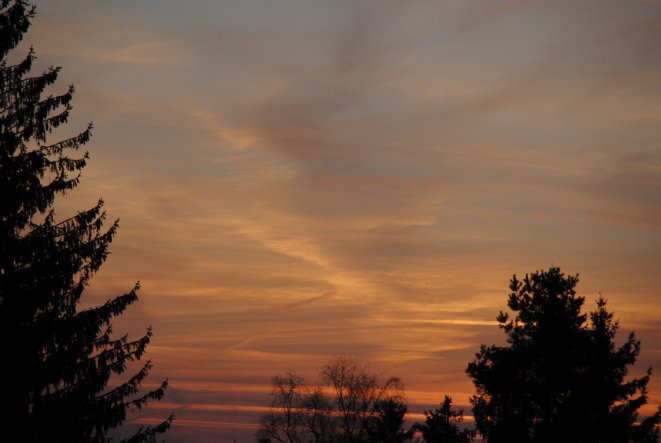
[
  {"x": 386, "y": 425},
  {"x": 561, "y": 377},
  {"x": 360, "y": 409},
  {"x": 440, "y": 425},
  {"x": 57, "y": 361},
  {"x": 358, "y": 393},
  {"x": 284, "y": 422}
]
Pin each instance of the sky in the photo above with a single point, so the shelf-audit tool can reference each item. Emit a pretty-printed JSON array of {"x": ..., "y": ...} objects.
[{"x": 301, "y": 179}]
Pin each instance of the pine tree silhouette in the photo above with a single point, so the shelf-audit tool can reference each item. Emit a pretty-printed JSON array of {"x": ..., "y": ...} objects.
[
  {"x": 57, "y": 361},
  {"x": 561, "y": 377},
  {"x": 440, "y": 425}
]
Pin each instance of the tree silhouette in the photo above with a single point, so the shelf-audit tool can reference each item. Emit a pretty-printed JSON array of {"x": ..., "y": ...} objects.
[
  {"x": 284, "y": 422},
  {"x": 358, "y": 392},
  {"x": 440, "y": 425},
  {"x": 561, "y": 377},
  {"x": 387, "y": 422},
  {"x": 299, "y": 413},
  {"x": 363, "y": 408},
  {"x": 57, "y": 360},
  {"x": 317, "y": 415}
]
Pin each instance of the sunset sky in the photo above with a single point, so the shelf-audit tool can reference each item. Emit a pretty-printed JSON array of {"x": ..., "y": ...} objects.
[{"x": 301, "y": 179}]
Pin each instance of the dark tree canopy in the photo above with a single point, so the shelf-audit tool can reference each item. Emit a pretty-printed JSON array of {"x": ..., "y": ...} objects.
[
  {"x": 57, "y": 360},
  {"x": 440, "y": 425},
  {"x": 560, "y": 377},
  {"x": 386, "y": 424}
]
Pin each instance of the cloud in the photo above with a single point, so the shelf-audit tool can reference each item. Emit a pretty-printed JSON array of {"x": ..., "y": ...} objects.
[
  {"x": 310, "y": 179},
  {"x": 150, "y": 54}
]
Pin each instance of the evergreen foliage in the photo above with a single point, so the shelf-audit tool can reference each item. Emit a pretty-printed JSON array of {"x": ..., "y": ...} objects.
[
  {"x": 440, "y": 425},
  {"x": 57, "y": 360},
  {"x": 561, "y": 377},
  {"x": 386, "y": 425}
]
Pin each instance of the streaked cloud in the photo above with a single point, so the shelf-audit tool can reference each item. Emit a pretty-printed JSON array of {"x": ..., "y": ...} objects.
[{"x": 300, "y": 180}]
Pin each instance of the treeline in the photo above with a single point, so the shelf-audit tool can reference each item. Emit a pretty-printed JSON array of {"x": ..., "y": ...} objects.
[
  {"x": 352, "y": 404},
  {"x": 560, "y": 378}
]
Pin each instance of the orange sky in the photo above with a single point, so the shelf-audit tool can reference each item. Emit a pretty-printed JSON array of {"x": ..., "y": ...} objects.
[{"x": 300, "y": 179}]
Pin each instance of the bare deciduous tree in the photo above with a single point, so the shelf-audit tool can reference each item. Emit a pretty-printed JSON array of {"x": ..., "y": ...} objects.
[
  {"x": 283, "y": 423},
  {"x": 318, "y": 416},
  {"x": 354, "y": 411},
  {"x": 357, "y": 393}
]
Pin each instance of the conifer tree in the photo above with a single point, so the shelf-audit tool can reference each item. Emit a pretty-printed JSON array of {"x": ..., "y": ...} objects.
[
  {"x": 561, "y": 377},
  {"x": 440, "y": 425},
  {"x": 62, "y": 368},
  {"x": 386, "y": 424}
]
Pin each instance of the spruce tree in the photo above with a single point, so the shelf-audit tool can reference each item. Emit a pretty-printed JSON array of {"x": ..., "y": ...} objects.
[
  {"x": 440, "y": 425},
  {"x": 561, "y": 376},
  {"x": 62, "y": 367}
]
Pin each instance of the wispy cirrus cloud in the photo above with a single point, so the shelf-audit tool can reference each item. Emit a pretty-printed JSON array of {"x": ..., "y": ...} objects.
[{"x": 300, "y": 181}]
